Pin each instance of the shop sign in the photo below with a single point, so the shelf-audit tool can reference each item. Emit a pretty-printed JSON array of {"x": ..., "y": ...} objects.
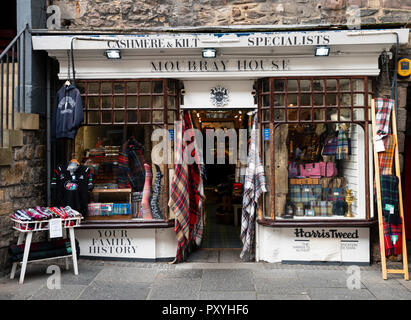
[{"x": 217, "y": 65}]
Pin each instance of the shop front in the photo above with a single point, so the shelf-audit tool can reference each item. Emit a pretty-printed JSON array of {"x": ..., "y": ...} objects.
[{"x": 314, "y": 137}]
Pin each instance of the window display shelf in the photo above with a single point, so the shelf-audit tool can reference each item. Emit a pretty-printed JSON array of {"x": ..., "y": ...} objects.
[
  {"x": 111, "y": 191},
  {"x": 283, "y": 223}
]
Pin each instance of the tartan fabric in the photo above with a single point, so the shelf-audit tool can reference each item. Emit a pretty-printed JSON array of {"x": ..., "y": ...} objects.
[
  {"x": 385, "y": 158},
  {"x": 131, "y": 166},
  {"x": 323, "y": 208},
  {"x": 186, "y": 197},
  {"x": 295, "y": 192},
  {"x": 342, "y": 146},
  {"x": 330, "y": 147},
  {"x": 383, "y": 108},
  {"x": 390, "y": 197},
  {"x": 392, "y": 239},
  {"x": 254, "y": 186}
]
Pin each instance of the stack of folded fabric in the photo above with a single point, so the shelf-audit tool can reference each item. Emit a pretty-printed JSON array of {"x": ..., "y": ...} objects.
[{"x": 43, "y": 250}]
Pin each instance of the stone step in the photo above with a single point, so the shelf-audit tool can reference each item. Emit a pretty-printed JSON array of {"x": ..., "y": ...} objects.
[
  {"x": 6, "y": 156},
  {"x": 23, "y": 121},
  {"x": 12, "y": 138}
]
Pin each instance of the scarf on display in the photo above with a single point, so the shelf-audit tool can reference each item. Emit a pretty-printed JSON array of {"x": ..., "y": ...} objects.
[
  {"x": 342, "y": 152},
  {"x": 254, "y": 186},
  {"x": 383, "y": 108},
  {"x": 186, "y": 196},
  {"x": 131, "y": 165}
]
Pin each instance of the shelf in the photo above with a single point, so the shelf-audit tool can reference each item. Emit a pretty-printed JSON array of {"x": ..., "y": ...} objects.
[{"x": 111, "y": 191}]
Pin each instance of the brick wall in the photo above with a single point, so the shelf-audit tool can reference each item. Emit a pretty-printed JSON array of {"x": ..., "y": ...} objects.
[{"x": 131, "y": 14}]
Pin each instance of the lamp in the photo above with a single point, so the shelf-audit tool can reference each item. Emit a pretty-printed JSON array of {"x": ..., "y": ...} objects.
[
  {"x": 113, "y": 54},
  {"x": 322, "y": 51},
  {"x": 209, "y": 53}
]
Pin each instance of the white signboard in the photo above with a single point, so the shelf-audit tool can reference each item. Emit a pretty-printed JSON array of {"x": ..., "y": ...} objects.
[
  {"x": 345, "y": 245},
  {"x": 55, "y": 228}
]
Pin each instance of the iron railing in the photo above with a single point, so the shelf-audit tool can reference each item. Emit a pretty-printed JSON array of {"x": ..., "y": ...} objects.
[{"x": 12, "y": 82}]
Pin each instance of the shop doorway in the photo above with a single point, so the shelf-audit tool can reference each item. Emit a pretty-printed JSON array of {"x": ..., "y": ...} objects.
[{"x": 223, "y": 184}]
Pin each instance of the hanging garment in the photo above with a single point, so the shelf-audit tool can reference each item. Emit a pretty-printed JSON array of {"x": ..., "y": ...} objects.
[
  {"x": 131, "y": 166},
  {"x": 154, "y": 203},
  {"x": 186, "y": 195},
  {"x": 68, "y": 113},
  {"x": 254, "y": 186},
  {"x": 342, "y": 146},
  {"x": 72, "y": 189},
  {"x": 383, "y": 108},
  {"x": 145, "y": 202}
]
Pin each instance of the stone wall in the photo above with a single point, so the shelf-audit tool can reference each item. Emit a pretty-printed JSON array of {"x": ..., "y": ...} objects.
[
  {"x": 22, "y": 185},
  {"x": 132, "y": 14}
]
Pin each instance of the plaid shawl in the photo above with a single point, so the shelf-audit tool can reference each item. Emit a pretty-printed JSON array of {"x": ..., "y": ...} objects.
[
  {"x": 254, "y": 186},
  {"x": 383, "y": 108},
  {"x": 130, "y": 164},
  {"x": 342, "y": 146},
  {"x": 386, "y": 158},
  {"x": 186, "y": 197},
  {"x": 392, "y": 239},
  {"x": 390, "y": 198}
]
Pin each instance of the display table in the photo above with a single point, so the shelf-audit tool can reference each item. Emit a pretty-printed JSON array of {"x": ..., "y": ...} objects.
[{"x": 26, "y": 230}]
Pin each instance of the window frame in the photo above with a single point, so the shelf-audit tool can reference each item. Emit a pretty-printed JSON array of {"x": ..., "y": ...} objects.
[{"x": 269, "y": 218}]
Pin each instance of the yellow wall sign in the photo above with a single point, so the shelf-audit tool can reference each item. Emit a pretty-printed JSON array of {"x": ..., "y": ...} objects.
[{"x": 404, "y": 67}]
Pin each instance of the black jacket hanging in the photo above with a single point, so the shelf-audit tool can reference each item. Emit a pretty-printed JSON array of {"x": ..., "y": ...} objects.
[{"x": 68, "y": 113}]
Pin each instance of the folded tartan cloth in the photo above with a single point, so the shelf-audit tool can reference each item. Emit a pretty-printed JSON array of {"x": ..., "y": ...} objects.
[
  {"x": 390, "y": 199},
  {"x": 39, "y": 246}
]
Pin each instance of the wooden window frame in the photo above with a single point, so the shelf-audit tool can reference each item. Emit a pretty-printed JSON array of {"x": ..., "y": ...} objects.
[{"x": 274, "y": 123}]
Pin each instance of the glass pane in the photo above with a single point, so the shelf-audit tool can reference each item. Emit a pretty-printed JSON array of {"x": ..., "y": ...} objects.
[
  {"x": 319, "y": 115},
  {"x": 171, "y": 117},
  {"x": 358, "y": 85},
  {"x": 279, "y": 100},
  {"x": 93, "y": 102},
  {"x": 266, "y": 100},
  {"x": 345, "y": 85},
  {"x": 92, "y": 88},
  {"x": 144, "y": 116},
  {"x": 106, "y": 102},
  {"x": 171, "y": 102},
  {"x": 292, "y": 100},
  {"x": 318, "y": 100},
  {"x": 359, "y": 114},
  {"x": 119, "y": 102},
  {"x": 131, "y": 116},
  {"x": 119, "y": 116},
  {"x": 158, "y": 116},
  {"x": 266, "y": 115},
  {"x": 106, "y": 117},
  {"x": 345, "y": 99},
  {"x": 331, "y": 84},
  {"x": 144, "y": 87},
  {"x": 266, "y": 85},
  {"x": 305, "y": 115},
  {"x": 279, "y": 85},
  {"x": 358, "y": 99},
  {"x": 305, "y": 85},
  {"x": 292, "y": 114},
  {"x": 81, "y": 86},
  {"x": 158, "y": 102},
  {"x": 305, "y": 99},
  {"x": 93, "y": 117},
  {"x": 131, "y": 87},
  {"x": 318, "y": 85},
  {"x": 292, "y": 85},
  {"x": 279, "y": 115},
  {"x": 171, "y": 87},
  {"x": 144, "y": 102},
  {"x": 345, "y": 114},
  {"x": 370, "y": 85},
  {"x": 106, "y": 87},
  {"x": 332, "y": 114},
  {"x": 369, "y": 99},
  {"x": 158, "y": 87},
  {"x": 119, "y": 87},
  {"x": 131, "y": 102},
  {"x": 331, "y": 99}
]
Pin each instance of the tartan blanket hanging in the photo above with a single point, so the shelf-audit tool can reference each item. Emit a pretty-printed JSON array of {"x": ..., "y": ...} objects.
[
  {"x": 186, "y": 195},
  {"x": 254, "y": 186}
]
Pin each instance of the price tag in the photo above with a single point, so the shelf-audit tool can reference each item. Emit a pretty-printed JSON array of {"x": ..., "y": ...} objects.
[
  {"x": 379, "y": 145},
  {"x": 390, "y": 208},
  {"x": 55, "y": 228},
  {"x": 336, "y": 193}
]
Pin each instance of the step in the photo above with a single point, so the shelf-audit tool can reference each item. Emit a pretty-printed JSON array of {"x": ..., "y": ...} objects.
[
  {"x": 12, "y": 138},
  {"x": 23, "y": 121},
  {"x": 6, "y": 156}
]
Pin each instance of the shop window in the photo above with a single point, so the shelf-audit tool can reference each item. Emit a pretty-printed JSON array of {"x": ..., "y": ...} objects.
[
  {"x": 115, "y": 142},
  {"x": 308, "y": 113}
]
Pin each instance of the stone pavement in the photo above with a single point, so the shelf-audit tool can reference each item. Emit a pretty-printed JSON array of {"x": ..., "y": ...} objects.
[{"x": 208, "y": 275}]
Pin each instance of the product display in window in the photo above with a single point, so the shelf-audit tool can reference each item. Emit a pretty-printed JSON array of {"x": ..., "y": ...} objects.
[{"x": 322, "y": 171}]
